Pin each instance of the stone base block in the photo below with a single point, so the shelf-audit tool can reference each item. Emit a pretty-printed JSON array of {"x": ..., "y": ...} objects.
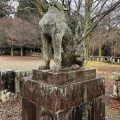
[
  {"x": 55, "y": 98},
  {"x": 64, "y": 76},
  {"x": 77, "y": 99},
  {"x": 94, "y": 110}
]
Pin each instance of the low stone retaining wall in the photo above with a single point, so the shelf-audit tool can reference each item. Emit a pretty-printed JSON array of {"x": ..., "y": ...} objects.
[
  {"x": 114, "y": 60},
  {"x": 116, "y": 86},
  {"x": 11, "y": 83}
]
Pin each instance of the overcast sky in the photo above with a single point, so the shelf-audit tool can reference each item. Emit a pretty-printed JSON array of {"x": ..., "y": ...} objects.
[{"x": 14, "y": 4}]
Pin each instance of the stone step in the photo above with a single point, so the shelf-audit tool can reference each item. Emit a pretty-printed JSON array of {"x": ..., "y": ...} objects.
[{"x": 64, "y": 76}]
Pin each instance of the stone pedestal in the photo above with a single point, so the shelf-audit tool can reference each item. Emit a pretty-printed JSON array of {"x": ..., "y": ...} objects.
[
  {"x": 118, "y": 61},
  {"x": 64, "y": 95},
  {"x": 98, "y": 59},
  {"x": 113, "y": 60},
  {"x": 18, "y": 81},
  {"x": 116, "y": 85}
]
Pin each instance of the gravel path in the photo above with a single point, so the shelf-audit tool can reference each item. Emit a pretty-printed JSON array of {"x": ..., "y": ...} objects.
[
  {"x": 111, "y": 114},
  {"x": 11, "y": 110},
  {"x": 19, "y": 63}
]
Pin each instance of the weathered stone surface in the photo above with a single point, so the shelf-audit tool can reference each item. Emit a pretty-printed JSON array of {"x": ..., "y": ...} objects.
[
  {"x": 11, "y": 83},
  {"x": 18, "y": 80},
  {"x": 56, "y": 31},
  {"x": 118, "y": 61},
  {"x": 54, "y": 28},
  {"x": 116, "y": 76},
  {"x": 94, "y": 110},
  {"x": 62, "y": 97},
  {"x": 8, "y": 80},
  {"x": 2, "y": 84},
  {"x": 64, "y": 76},
  {"x": 116, "y": 86}
]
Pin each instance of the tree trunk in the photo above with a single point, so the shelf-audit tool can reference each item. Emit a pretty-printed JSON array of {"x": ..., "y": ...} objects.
[
  {"x": 34, "y": 50},
  {"x": 87, "y": 24},
  {"x": 86, "y": 49},
  {"x": 114, "y": 51},
  {"x": 100, "y": 51},
  {"x": 12, "y": 50},
  {"x": 21, "y": 51}
]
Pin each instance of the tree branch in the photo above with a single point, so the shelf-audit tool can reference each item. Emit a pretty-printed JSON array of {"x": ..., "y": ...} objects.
[{"x": 117, "y": 4}]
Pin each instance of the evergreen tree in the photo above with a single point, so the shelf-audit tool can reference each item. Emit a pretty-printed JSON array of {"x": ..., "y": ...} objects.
[{"x": 4, "y": 8}]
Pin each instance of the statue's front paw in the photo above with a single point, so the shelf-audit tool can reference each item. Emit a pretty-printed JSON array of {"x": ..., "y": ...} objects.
[
  {"x": 75, "y": 67},
  {"x": 55, "y": 67},
  {"x": 44, "y": 66}
]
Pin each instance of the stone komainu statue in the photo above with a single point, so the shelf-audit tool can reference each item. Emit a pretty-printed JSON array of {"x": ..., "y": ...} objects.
[{"x": 55, "y": 30}]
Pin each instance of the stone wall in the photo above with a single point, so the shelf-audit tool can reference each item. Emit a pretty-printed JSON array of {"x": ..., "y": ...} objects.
[
  {"x": 11, "y": 83},
  {"x": 109, "y": 59}
]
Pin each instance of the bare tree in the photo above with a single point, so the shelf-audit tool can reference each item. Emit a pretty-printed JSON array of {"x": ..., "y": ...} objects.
[
  {"x": 23, "y": 33},
  {"x": 88, "y": 14},
  {"x": 107, "y": 33}
]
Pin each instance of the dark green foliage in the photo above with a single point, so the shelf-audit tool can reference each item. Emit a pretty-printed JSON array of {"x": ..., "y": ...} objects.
[
  {"x": 3, "y": 40},
  {"x": 4, "y": 8},
  {"x": 25, "y": 9}
]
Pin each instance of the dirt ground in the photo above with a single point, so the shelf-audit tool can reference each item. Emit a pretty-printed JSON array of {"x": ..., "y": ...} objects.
[
  {"x": 11, "y": 110},
  {"x": 19, "y": 63}
]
